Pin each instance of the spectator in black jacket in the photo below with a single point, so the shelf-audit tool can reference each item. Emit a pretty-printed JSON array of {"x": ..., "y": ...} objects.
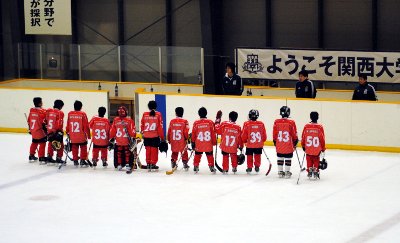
[
  {"x": 364, "y": 91},
  {"x": 304, "y": 87},
  {"x": 232, "y": 83}
]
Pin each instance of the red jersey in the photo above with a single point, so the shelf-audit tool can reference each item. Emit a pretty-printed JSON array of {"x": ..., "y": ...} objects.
[
  {"x": 118, "y": 130},
  {"x": 203, "y": 135},
  {"x": 285, "y": 135},
  {"x": 178, "y": 133},
  {"x": 313, "y": 139},
  {"x": 152, "y": 126},
  {"x": 78, "y": 127},
  {"x": 231, "y": 138},
  {"x": 55, "y": 120},
  {"x": 254, "y": 134},
  {"x": 100, "y": 130},
  {"x": 36, "y": 121}
]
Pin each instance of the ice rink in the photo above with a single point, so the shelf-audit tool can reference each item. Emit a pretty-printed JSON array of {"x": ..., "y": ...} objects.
[{"x": 356, "y": 200}]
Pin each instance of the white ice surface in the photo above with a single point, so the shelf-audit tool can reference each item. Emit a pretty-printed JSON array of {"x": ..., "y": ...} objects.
[{"x": 356, "y": 200}]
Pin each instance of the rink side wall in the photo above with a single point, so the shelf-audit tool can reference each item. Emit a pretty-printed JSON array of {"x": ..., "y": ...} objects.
[
  {"x": 17, "y": 101},
  {"x": 370, "y": 126}
]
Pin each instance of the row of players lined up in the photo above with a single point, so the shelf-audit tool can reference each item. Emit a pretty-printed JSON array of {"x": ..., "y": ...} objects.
[{"x": 47, "y": 125}]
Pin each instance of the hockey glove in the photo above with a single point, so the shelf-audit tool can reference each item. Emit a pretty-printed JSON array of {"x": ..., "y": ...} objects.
[
  {"x": 193, "y": 146},
  {"x": 111, "y": 144}
]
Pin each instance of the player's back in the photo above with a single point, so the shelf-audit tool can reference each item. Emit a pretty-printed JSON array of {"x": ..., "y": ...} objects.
[
  {"x": 55, "y": 120},
  {"x": 119, "y": 130},
  {"x": 230, "y": 137},
  {"x": 203, "y": 134},
  {"x": 178, "y": 132},
  {"x": 100, "y": 130},
  {"x": 313, "y": 138},
  {"x": 77, "y": 127},
  {"x": 284, "y": 135},
  {"x": 36, "y": 120},
  {"x": 152, "y": 126},
  {"x": 254, "y": 134}
]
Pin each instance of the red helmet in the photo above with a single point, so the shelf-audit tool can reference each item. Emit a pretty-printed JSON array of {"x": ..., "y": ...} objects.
[{"x": 122, "y": 111}]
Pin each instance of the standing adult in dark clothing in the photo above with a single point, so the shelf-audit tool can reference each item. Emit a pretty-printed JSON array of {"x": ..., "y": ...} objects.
[
  {"x": 304, "y": 87},
  {"x": 364, "y": 91},
  {"x": 232, "y": 83}
]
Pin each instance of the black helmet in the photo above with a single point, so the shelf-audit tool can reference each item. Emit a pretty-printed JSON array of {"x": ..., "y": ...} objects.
[
  {"x": 241, "y": 159},
  {"x": 163, "y": 146},
  {"x": 253, "y": 115},
  {"x": 323, "y": 164},
  {"x": 285, "y": 111},
  {"x": 314, "y": 116}
]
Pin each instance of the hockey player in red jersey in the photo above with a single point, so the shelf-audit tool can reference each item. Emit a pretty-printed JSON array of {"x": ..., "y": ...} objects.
[
  {"x": 37, "y": 128},
  {"x": 313, "y": 143},
  {"x": 100, "y": 127},
  {"x": 177, "y": 136},
  {"x": 203, "y": 140},
  {"x": 254, "y": 136},
  {"x": 78, "y": 131},
  {"x": 151, "y": 127},
  {"x": 122, "y": 128},
  {"x": 231, "y": 141},
  {"x": 55, "y": 124},
  {"x": 285, "y": 140}
]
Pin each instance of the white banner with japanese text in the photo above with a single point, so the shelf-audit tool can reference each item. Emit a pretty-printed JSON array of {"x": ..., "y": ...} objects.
[
  {"x": 47, "y": 17},
  {"x": 321, "y": 65}
]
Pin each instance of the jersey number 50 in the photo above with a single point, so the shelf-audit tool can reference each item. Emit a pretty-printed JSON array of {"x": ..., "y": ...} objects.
[{"x": 312, "y": 141}]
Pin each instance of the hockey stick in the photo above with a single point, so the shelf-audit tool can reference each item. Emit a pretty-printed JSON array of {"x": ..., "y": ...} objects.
[
  {"x": 300, "y": 167},
  {"x": 215, "y": 158},
  {"x": 170, "y": 172},
  {"x": 66, "y": 147},
  {"x": 298, "y": 159},
  {"x": 269, "y": 161}
]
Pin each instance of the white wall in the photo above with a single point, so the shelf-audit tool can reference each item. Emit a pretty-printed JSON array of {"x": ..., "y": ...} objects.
[
  {"x": 15, "y": 102},
  {"x": 125, "y": 90},
  {"x": 346, "y": 123}
]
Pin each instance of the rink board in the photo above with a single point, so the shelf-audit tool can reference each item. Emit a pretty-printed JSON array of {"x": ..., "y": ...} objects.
[
  {"x": 17, "y": 101},
  {"x": 348, "y": 125}
]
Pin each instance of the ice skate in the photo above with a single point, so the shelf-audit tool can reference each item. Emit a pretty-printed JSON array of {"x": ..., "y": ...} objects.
[
  {"x": 50, "y": 160},
  {"x": 94, "y": 163},
  {"x": 186, "y": 166},
  {"x": 32, "y": 158},
  {"x": 196, "y": 169},
  {"x": 225, "y": 172},
  {"x": 288, "y": 174},
  {"x": 248, "y": 170},
  {"x": 310, "y": 173},
  {"x": 212, "y": 169},
  {"x": 105, "y": 164},
  {"x": 234, "y": 170},
  {"x": 84, "y": 164},
  {"x": 119, "y": 167},
  {"x": 281, "y": 174},
  {"x": 316, "y": 175},
  {"x": 76, "y": 163},
  {"x": 257, "y": 169},
  {"x": 42, "y": 160}
]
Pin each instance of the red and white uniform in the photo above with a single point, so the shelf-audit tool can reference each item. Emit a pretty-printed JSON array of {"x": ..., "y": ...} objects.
[
  {"x": 313, "y": 140},
  {"x": 152, "y": 126},
  {"x": 203, "y": 135},
  {"x": 36, "y": 121},
  {"x": 55, "y": 123},
  {"x": 178, "y": 133},
  {"x": 254, "y": 135},
  {"x": 231, "y": 140},
  {"x": 284, "y": 135},
  {"x": 118, "y": 132},
  {"x": 152, "y": 130},
  {"x": 100, "y": 127},
  {"x": 78, "y": 131}
]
